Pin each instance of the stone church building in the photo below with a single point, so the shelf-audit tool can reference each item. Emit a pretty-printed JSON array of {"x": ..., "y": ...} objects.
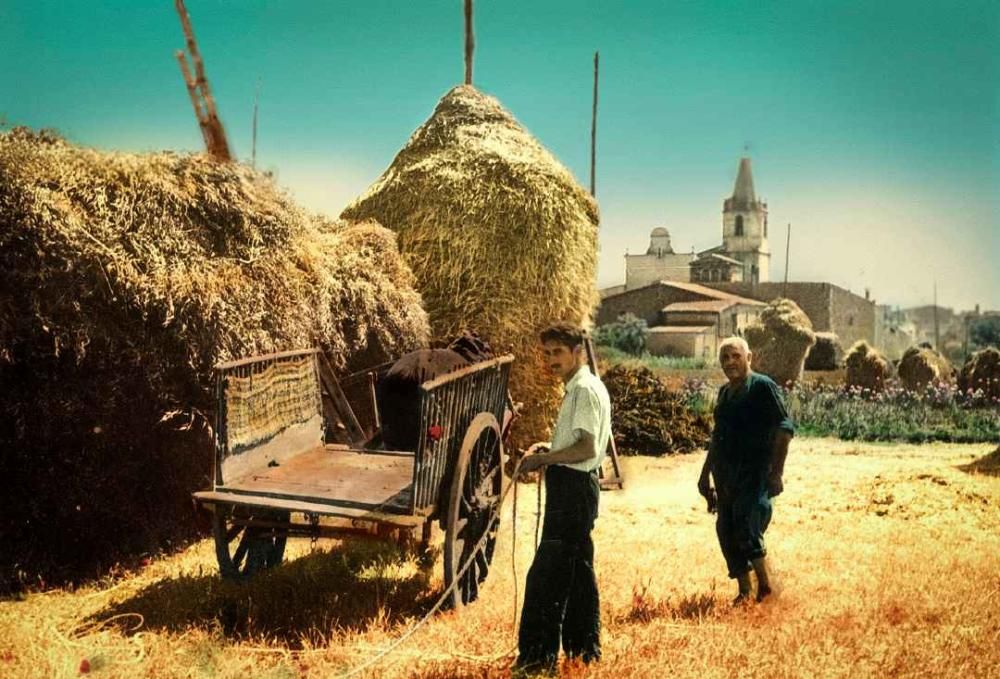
[
  {"x": 743, "y": 255},
  {"x": 691, "y": 301}
]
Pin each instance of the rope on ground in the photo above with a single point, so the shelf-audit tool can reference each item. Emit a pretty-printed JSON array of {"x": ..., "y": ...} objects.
[{"x": 448, "y": 590}]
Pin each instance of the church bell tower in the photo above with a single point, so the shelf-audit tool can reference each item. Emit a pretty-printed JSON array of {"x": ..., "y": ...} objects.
[{"x": 744, "y": 227}]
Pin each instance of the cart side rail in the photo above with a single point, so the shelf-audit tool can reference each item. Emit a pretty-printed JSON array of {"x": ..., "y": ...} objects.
[
  {"x": 269, "y": 409},
  {"x": 448, "y": 405}
]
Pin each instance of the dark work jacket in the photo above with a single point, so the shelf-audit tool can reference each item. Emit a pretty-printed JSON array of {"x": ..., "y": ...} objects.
[{"x": 745, "y": 422}]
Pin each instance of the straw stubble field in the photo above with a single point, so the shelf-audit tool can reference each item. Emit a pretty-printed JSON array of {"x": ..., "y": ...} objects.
[{"x": 886, "y": 555}]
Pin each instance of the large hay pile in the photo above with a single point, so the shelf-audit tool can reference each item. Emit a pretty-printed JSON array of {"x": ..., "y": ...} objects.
[
  {"x": 866, "y": 367},
  {"x": 826, "y": 354},
  {"x": 921, "y": 366},
  {"x": 123, "y": 279},
  {"x": 649, "y": 419},
  {"x": 780, "y": 340},
  {"x": 982, "y": 371},
  {"x": 498, "y": 233}
]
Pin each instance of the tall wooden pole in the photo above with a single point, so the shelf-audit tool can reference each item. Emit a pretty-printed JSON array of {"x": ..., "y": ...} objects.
[
  {"x": 788, "y": 242},
  {"x": 937, "y": 335},
  {"x": 208, "y": 118},
  {"x": 470, "y": 42},
  {"x": 593, "y": 133}
]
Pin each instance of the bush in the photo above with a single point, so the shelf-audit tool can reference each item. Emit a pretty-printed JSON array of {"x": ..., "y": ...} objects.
[
  {"x": 627, "y": 334},
  {"x": 985, "y": 331},
  {"x": 940, "y": 412},
  {"x": 649, "y": 419}
]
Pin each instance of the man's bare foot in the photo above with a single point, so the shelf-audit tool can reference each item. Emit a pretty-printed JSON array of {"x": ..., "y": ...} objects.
[
  {"x": 742, "y": 599},
  {"x": 763, "y": 593}
]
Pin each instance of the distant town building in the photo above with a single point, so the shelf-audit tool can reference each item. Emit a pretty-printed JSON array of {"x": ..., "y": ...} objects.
[
  {"x": 685, "y": 319},
  {"x": 829, "y": 307},
  {"x": 659, "y": 263},
  {"x": 744, "y": 233},
  {"x": 742, "y": 256},
  {"x": 679, "y": 294}
]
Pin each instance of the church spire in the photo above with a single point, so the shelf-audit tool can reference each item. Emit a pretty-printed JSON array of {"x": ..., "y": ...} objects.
[{"x": 743, "y": 192}]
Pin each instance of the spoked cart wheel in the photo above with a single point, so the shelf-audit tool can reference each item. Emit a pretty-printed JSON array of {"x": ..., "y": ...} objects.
[
  {"x": 476, "y": 488},
  {"x": 248, "y": 540}
]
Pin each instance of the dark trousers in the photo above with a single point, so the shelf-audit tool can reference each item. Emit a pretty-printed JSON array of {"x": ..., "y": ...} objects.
[
  {"x": 560, "y": 597},
  {"x": 743, "y": 516}
]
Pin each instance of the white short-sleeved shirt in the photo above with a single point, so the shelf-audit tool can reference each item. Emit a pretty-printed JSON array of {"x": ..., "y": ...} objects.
[{"x": 585, "y": 406}]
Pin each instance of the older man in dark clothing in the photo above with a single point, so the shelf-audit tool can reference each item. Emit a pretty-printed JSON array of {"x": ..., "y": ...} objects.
[{"x": 746, "y": 458}]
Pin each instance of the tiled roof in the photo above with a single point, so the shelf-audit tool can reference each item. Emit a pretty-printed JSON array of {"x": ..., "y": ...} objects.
[
  {"x": 681, "y": 329},
  {"x": 710, "y": 292},
  {"x": 706, "y": 305}
]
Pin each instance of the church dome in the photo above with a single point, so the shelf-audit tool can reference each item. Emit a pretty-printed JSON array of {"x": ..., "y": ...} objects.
[{"x": 659, "y": 231}]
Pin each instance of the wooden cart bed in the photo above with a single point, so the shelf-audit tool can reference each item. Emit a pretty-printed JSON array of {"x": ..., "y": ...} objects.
[{"x": 332, "y": 480}]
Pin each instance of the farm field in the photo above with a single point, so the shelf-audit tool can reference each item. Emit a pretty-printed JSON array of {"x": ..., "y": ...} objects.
[{"x": 886, "y": 555}]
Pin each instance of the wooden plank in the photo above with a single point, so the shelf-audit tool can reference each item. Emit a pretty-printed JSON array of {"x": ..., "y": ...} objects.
[
  {"x": 474, "y": 368},
  {"x": 210, "y": 498},
  {"x": 345, "y": 478},
  {"x": 615, "y": 479},
  {"x": 347, "y": 416},
  {"x": 264, "y": 357},
  {"x": 291, "y": 443}
]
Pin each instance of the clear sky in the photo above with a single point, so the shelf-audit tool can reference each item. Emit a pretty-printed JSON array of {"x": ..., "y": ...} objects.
[{"x": 873, "y": 126}]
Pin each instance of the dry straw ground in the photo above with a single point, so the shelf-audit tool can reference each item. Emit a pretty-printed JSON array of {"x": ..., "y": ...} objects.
[{"x": 887, "y": 555}]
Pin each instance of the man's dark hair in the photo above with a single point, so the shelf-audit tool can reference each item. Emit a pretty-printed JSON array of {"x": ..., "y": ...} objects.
[{"x": 564, "y": 333}]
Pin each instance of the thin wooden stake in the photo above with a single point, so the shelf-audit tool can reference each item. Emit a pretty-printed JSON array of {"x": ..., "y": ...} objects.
[
  {"x": 253, "y": 149},
  {"x": 470, "y": 42},
  {"x": 788, "y": 242},
  {"x": 593, "y": 133}
]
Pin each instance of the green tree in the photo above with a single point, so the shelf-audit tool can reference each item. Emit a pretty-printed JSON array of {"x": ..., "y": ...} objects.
[
  {"x": 985, "y": 331},
  {"x": 627, "y": 334}
]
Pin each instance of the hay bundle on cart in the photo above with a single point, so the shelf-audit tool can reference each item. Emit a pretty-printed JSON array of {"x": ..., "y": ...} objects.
[
  {"x": 780, "y": 340},
  {"x": 921, "y": 366},
  {"x": 123, "y": 279},
  {"x": 866, "y": 367},
  {"x": 497, "y": 232},
  {"x": 982, "y": 372}
]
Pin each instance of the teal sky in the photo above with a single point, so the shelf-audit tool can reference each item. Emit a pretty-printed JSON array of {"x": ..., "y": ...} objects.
[{"x": 873, "y": 126}]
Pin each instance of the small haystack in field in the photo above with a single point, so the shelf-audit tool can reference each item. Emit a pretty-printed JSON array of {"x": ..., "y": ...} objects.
[
  {"x": 780, "y": 340},
  {"x": 866, "y": 367},
  {"x": 921, "y": 366},
  {"x": 982, "y": 372},
  {"x": 498, "y": 234},
  {"x": 826, "y": 354},
  {"x": 123, "y": 280}
]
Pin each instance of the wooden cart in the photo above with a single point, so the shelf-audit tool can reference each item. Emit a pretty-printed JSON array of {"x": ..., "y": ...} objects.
[{"x": 276, "y": 477}]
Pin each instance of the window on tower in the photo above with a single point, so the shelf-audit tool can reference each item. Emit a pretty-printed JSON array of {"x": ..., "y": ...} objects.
[{"x": 739, "y": 225}]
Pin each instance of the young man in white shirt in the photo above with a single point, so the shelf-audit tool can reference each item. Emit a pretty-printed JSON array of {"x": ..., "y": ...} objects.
[{"x": 561, "y": 601}]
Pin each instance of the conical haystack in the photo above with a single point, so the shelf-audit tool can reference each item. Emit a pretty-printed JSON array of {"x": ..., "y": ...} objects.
[
  {"x": 981, "y": 372},
  {"x": 499, "y": 235},
  {"x": 866, "y": 367},
  {"x": 780, "y": 340},
  {"x": 123, "y": 279},
  {"x": 921, "y": 366}
]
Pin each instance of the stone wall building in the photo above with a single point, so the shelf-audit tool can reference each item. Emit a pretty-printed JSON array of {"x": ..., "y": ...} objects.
[
  {"x": 742, "y": 256},
  {"x": 659, "y": 280},
  {"x": 684, "y": 319},
  {"x": 830, "y": 308},
  {"x": 744, "y": 230},
  {"x": 659, "y": 263}
]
